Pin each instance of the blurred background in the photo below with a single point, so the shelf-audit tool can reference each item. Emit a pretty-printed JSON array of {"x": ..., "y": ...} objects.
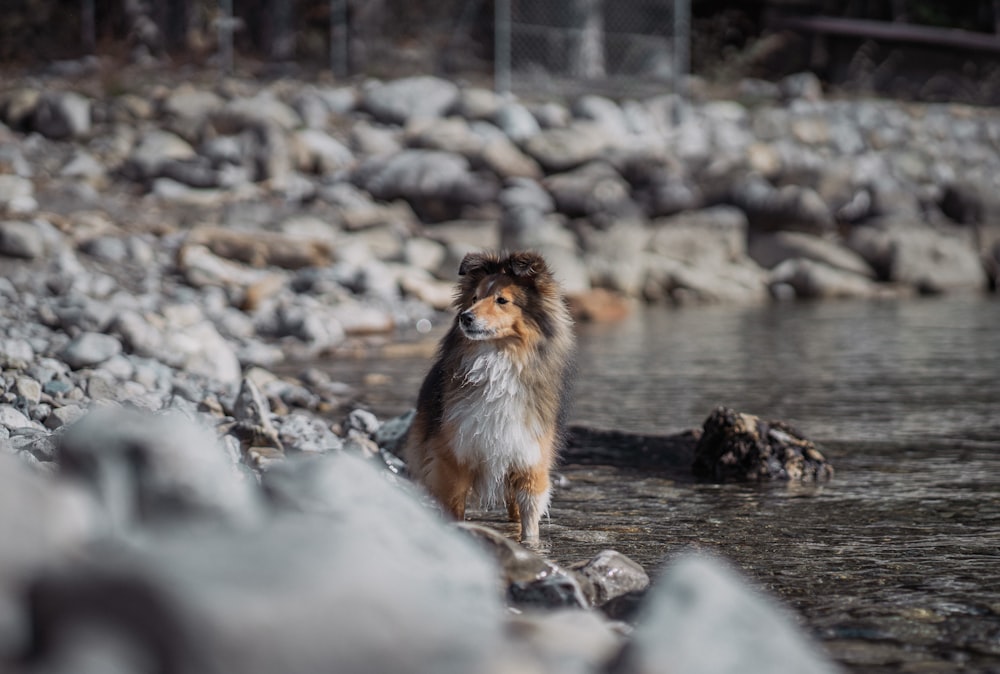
[{"x": 930, "y": 50}]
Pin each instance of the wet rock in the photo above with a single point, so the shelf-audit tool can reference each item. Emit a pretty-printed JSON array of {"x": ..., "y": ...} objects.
[
  {"x": 90, "y": 348},
  {"x": 610, "y": 574},
  {"x": 63, "y": 114},
  {"x": 401, "y": 100},
  {"x": 739, "y": 446},
  {"x": 700, "y": 617},
  {"x": 530, "y": 579},
  {"x": 148, "y": 469}
]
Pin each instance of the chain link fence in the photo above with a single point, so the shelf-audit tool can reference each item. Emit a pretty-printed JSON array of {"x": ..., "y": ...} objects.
[{"x": 622, "y": 47}]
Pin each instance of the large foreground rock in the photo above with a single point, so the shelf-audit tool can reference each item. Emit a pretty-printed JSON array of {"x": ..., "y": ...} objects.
[
  {"x": 700, "y": 618},
  {"x": 368, "y": 582}
]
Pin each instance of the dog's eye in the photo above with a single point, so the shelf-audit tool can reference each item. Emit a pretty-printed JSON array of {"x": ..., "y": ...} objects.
[{"x": 502, "y": 300}]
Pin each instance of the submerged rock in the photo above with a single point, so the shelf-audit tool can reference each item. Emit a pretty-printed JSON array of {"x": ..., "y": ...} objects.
[{"x": 738, "y": 446}]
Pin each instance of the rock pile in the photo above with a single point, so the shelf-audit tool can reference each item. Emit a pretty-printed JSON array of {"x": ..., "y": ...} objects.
[{"x": 287, "y": 192}]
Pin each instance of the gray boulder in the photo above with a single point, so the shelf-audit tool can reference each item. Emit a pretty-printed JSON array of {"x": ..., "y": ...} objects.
[
  {"x": 154, "y": 149},
  {"x": 604, "y": 112},
  {"x": 566, "y": 148},
  {"x": 929, "y": 260},
  {"x": 595, "y": 187},
  {"x": 516, "y": 121},
  {"x": 22, "y": 239},
  {"x": 319, "y": 152},
  {"x": 792, "y": 207},
  {"x": 354, "y": 575},
  {"x": 810, "y": 279},
  {"x": 771, "y": 249},
  {"x": 17, "y": 194},
  {"x": 436, "y": 184},
  {"x": 401, "y": 100},
  {"x": 262, "y": 109},
  {"x": 61, "y": 115}
]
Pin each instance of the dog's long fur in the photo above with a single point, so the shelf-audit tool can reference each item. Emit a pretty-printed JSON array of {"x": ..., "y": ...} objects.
[{"x": 491, "y": 411}]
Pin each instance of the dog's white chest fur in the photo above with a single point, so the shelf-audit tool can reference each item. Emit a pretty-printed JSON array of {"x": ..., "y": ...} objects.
[{"x": 496, "y": 427}]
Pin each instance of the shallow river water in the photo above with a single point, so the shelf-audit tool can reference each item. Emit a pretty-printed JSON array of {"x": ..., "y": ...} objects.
[{"x": 894, "y": 565}]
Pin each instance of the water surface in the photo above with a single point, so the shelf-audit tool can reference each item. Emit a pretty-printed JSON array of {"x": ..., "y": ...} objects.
[{"x": 895, "y": 564}]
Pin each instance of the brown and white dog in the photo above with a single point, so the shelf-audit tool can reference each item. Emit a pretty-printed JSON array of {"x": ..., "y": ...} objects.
[{"x": 490, "y": 413}]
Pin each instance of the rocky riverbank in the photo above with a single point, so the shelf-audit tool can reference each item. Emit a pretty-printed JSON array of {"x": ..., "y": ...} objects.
[{"x": 165, "y": 247}]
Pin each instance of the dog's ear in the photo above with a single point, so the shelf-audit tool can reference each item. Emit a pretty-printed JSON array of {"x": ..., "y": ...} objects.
[
  {"x": 527, "y": 265},
  {"x": 471, "y": 263}
]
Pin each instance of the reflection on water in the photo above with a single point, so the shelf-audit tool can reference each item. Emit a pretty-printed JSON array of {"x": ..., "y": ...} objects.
[{"x": 895, "y": 564}]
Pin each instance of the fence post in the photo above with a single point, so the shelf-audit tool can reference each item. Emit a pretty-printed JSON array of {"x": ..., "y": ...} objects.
[
  {"x": 501, "y": 47},
  {"x": 339, "y": 46},
  {"x": 682, "y": 36},
  {"x": 226, "y": 36},
  {"x": 88, "y": 26}
]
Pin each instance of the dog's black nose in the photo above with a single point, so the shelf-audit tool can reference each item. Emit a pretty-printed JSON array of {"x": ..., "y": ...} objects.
[{"x": 467, "y": 317}]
